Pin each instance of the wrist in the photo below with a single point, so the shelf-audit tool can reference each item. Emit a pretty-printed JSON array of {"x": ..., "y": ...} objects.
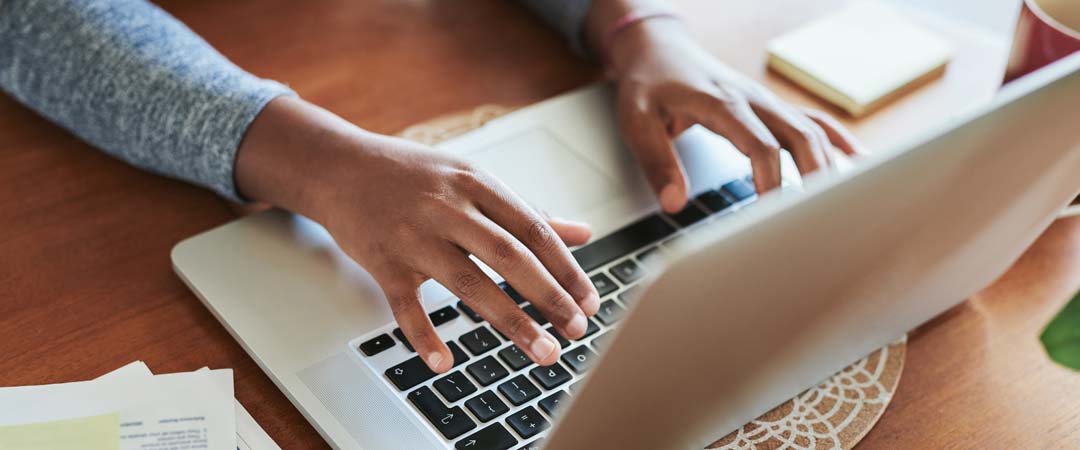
[
  {"x": 289, "y": 155},
  {"x": 639, "y": 39},
  {"x": 619, "y": 30}
]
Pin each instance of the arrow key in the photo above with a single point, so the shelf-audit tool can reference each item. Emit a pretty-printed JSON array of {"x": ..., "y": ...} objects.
[{"x": 494, "y": 437}]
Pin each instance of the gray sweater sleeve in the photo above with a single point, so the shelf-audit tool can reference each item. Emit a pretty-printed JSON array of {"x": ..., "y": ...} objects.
[
  {"x": 133, "y": 81},
  {"x": 565, "y": 16},
  {"x": 128, "y": 78}
]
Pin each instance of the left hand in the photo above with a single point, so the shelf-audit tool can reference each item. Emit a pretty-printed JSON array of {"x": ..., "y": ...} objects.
[{"x": 666, "y": 83}]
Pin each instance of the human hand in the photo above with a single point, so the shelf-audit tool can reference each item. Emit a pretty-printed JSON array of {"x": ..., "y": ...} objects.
[
  {"x": 407, "y": 214},
  {"x": 666, "y": 83}
]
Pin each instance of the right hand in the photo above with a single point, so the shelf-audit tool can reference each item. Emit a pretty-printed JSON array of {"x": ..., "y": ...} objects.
[{"x": 409, "y": 214}]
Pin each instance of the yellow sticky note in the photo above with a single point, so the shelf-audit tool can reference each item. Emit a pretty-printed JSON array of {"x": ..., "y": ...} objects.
[
  {"x": 861, "y": 56},
  {"x": 84, "y": 433}
]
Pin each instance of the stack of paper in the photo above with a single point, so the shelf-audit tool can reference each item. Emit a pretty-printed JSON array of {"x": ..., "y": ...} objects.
[{"x": 130, "y": 409}]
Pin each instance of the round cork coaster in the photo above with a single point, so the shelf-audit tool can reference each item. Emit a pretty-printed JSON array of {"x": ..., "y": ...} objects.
[{"x": 834, "y": 415}]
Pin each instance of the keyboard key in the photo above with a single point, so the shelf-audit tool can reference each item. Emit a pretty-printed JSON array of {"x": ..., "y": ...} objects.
[
  {"x": 627, "y": 271},
  {"x": 514, "y": 357},
  {"x": 377, "y": 344},
  {"x": 576, "y": 387},
  {"x": 714, "y": 200},
  {"x": 739, "y": 189},
  {"x": 590, "y": 329},
  {"x": 623, "y": 241},
  {"x": 459, "y": 355},
  {"x": 550, "y": 404},
  {"x": 601, "y": 342},
  {"x": 610, "y": 312},
  {"x": 535, "y": 314},
  {"x": 690, "y": 215},
  {"x": 454, "y": 387},
  {"x": 493, "y": 437},
  {"x": 580, "y": 359},
  {"x": 486, "y": 406},
  {"x": 674, "y": 242},
  {"x": 558, "y": 337},
  {"x": 443, "y": 315},
  {"x": 409, "y": 373},
  {"x": 451, "y": 422},
  {"x": 487, "y": 370},
  {"x": 550, "y": 377},
  {"x": 630, "y": 296},
  {"x": 401, "y": 337},
  {"x": 603, "y": 284},
  {"x": 519, "y": 390},
  {"x": 651, "y": 258},
  {"x": 479, "y": 340},
  {"x": 534, "y": 445},
  {"x": 512, "y": 293},
  {"x": 414, "y": 371},
  {"x": 528, "y": 422},
  {"x": 472, "y": 315}
]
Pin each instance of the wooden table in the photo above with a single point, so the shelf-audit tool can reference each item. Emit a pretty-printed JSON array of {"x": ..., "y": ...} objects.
[{"x": 86, "y": 283}]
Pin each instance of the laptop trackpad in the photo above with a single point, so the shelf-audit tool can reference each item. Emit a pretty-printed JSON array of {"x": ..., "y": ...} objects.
[
  {"x": 547, "y": 173},
  {"x": 354, "y": 396}
]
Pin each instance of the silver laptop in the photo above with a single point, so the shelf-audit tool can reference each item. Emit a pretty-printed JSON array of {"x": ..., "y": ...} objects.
[{"x": 709, "y": 317}]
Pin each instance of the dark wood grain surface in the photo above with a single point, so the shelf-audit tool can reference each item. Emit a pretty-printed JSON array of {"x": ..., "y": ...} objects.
[{"x": 86, "y": 283}]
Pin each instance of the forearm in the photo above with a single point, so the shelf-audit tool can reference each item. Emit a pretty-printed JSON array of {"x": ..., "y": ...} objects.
[{"x": 129, "y": 79}]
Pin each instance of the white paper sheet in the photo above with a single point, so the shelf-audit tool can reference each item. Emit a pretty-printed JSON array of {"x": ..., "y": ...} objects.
[
  {"x": 165, "y": 411},
  {"x": 249, "y": 435}
]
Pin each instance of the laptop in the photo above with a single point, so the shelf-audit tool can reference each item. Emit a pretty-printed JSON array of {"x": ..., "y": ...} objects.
[{"x": 709, "y": 317}]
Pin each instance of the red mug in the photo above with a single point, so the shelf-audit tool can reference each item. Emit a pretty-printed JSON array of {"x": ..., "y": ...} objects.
[{"x": 1048, "y": 30}]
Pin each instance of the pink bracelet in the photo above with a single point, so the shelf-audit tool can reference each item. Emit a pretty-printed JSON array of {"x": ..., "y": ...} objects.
[{"x": 624, "y": 22}]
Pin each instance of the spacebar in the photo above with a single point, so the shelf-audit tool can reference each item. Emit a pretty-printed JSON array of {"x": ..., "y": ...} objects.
[{"x": 622, "y": 242}]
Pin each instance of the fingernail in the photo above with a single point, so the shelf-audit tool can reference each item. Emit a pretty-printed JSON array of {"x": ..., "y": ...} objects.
[
  {"x": 434, "y": 359},
  {"x": 542, "y": 347},
  {"x": 590, "y": 304},
  {"x": 670, "y": 198},
  {"x": 574, "y": 223},
  {"x": 577, "y": 325}
]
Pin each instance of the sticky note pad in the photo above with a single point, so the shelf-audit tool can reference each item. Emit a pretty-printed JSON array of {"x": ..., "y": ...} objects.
[
  {"x": 85, "y": 433},
  {"x": 861, "y": 56}
]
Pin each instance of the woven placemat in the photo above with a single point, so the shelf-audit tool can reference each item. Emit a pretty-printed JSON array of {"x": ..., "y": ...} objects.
[{"x": 835, "y": 415}]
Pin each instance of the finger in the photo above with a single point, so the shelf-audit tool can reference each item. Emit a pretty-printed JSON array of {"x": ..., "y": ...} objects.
[
  {"x": 404, "y": 299},
  {"x": 799, "y": 135},
  {"x": 831, "y": 153},
  {"x": 520, "y": 267},
  {"x": 730, "y": 116},
  {"x": 646, "y": 134},
  {"x": 512, "y": 214},
  {"x": 838, "y": 135},
  {"x": 452, "y": 268},
  {"x": 571, "y": 232}
]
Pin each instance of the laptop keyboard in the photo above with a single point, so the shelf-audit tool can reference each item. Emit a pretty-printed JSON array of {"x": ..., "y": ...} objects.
[{"x": 495, "y": 397}]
